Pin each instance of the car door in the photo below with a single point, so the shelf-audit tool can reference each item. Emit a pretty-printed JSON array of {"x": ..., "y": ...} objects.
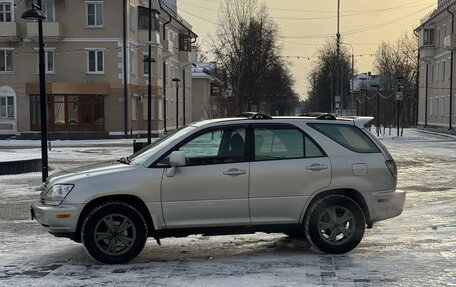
[
  {"x": 286, "y": 168},
  {"x": 212, "y": 188}
]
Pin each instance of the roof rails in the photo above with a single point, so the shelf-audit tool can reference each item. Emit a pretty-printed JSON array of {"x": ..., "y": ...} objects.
[
  {"x": 319, "y": 116},
  {"x": 254, "y": 116}
]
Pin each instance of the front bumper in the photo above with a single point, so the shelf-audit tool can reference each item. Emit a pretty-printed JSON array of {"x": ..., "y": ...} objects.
[
  {"x": 59, "y": 219},
  {"x": 385, "y": 204}
]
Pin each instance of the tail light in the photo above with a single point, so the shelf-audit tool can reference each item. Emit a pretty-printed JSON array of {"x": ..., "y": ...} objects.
[{"x": 391, "y": 164}]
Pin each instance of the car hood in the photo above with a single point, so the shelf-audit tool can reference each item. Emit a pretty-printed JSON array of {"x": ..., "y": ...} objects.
[{"x": 68, "y": 176}]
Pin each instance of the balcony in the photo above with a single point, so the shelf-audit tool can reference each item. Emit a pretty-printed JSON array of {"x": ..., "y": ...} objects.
[
  {"x": 144, "y": 36},
  {"x": 184, "y": 56},
  {"x": 427, "y": 53},
  {"x": 168, "y": 45},
  {"x": 50, "y": 29},
  {"x": 8, "y": 30},
  {"x": 449, "y": 42}
]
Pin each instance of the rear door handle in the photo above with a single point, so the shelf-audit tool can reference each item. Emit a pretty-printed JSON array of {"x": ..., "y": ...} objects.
[
  {"x": 317, "y": 167},
  {"x": 234, "y": 172}
]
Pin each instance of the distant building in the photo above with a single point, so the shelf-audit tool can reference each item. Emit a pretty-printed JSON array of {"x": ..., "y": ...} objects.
[
  {"x": 84, "y": 62},
  {"x": 437, "y": 40},
  {"x": 208, "y": 95}
]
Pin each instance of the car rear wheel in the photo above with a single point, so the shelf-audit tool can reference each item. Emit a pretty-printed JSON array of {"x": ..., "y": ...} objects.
[
  {"x": 335, "y": 224},
  {"x": 114, "y": 233}
]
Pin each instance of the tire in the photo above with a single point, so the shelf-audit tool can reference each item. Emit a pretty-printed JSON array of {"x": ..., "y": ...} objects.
[
  {"x": 113, "y": 245},
  {"x": 335, "y": 224}
]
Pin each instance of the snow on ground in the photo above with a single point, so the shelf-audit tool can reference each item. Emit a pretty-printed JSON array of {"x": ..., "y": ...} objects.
[{"x": 418, "y": 248}]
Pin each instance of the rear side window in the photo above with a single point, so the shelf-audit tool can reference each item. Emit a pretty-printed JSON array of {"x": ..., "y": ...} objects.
[
  {"x": 283, "y": 143},
  {"x": 348, "y": 136}
]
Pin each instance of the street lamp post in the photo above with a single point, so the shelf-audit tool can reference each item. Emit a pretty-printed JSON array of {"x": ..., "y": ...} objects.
[
  {"x": 176, "y": 80},
  {"x": 357, "y": 104},
  {"x": 400, "y": 88},
  {"x": 149, "y": 60},
  {"x": 365, "y": 100},
  {"x": 378, "y": 108},
  {"x": 36, "y": 14}
]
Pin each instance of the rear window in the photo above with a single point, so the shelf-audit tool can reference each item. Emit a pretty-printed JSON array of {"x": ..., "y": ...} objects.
[{"x": 348, "y": 136}]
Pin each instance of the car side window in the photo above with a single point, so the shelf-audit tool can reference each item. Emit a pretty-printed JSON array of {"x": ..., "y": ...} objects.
[
  {"x": 350, "y": 137},
  {"x": 283, "y": 143},
  {"x": 215, "y": 147}
]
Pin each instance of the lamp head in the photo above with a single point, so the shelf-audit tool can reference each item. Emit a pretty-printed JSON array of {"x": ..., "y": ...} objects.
[
  {"x": 149, "y": 59},
  {"x": 34, "y": 14}
]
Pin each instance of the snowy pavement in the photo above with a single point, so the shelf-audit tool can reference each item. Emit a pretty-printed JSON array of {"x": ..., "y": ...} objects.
[{"x": 417, "y": 248}]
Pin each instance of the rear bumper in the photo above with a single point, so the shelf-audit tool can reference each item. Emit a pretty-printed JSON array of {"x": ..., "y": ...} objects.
[
  {"x": 59, "y": 219},
  {"x": 385, "y": 204}
]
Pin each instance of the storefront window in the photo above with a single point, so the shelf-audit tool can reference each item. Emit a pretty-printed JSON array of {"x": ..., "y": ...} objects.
[
  {"x": 70, "y": 112},
  {"x": 73, "y": 110},
  {"x": 59, "y": 110}
]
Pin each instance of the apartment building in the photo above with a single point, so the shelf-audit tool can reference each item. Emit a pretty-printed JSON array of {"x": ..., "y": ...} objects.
[
  {"x": 86, "y": 81},
  {"x": 437, "y": 43}
]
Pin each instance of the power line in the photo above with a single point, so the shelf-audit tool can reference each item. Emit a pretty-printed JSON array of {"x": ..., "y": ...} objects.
[
  {"x": 201, "y": 18},
  {"x": 361, "y": 12},
  {"x": 356, "y": 31},
  {"x": 404, "y": 5}
]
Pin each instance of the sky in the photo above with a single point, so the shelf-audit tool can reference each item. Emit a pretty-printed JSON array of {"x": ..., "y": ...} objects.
[{"x": 305, "y": 25}]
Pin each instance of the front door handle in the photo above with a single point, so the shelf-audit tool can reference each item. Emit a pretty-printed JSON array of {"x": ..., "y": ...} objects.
[
  {"x": 316, "y": 167},
  {"x": 234, "y": 172}
]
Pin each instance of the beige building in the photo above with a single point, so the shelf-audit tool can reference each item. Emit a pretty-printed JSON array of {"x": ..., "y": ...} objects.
[
  {"x": 437, "y": 85},
  {"x": 207, "y": 93},
  {"x": 84, "y": 63}
]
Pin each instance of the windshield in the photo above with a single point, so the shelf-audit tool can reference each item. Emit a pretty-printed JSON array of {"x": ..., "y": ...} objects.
[{"x": 146, "y": 153}]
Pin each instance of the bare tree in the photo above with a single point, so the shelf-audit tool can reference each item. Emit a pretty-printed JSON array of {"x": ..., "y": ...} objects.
[
  {"x": 393, "y": 61},
  {"x": 246, "y": 46},
  {"x": 324, "y": 77}
]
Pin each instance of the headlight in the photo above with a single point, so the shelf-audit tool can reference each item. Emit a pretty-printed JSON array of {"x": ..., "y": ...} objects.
[{"x": 57, "y": 194}]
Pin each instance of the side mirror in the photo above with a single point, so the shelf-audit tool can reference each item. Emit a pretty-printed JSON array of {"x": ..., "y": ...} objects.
[{"x": 176, "y": 158}]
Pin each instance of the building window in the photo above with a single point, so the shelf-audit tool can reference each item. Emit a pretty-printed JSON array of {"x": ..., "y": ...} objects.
[
  {"x": 146, "y": 66},
  {"x": 132, "y": 62},
  {"x": 48, "y": 7},
  {"x": 184, "y": 43},
  {"x": 6, "y": 60},
  {"x": 6, "y": 107},
  {"x": 143, "y": 19},
  {"x": 6, "y": 12},
  {"x": 160, "y": 109},
  {"x": 94, "y": 14},
  {"x": 70, "y": 112},
  {"x": 95, "y": 61},
  {"x": 443, "y": 69},
  {"x": 48, "y": 61},
  {"x": 428, "y": 37}
]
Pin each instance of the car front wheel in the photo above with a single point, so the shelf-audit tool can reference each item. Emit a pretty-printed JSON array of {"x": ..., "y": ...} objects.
[
  {"x": 114, "y": 233},
  {"x": 335, "y": 224}
]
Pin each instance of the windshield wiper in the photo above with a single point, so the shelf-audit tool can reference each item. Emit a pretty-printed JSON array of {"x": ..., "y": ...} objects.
[{"x": 124, "y": 160}]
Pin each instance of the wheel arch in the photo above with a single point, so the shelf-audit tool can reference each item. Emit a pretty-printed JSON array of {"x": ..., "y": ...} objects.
[
  {"x": 126, "y": 198},
  {"x": 351, "y": 193}
]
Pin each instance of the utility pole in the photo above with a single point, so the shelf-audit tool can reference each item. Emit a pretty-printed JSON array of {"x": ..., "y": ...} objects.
[{"x": 339, "y": 74}]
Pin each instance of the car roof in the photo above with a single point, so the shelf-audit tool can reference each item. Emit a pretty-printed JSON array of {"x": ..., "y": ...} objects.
[{"x": 261, "y": 118}]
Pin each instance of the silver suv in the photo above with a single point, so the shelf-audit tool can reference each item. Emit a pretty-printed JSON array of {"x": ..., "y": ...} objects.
[{"x": 321, "y": 178}]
